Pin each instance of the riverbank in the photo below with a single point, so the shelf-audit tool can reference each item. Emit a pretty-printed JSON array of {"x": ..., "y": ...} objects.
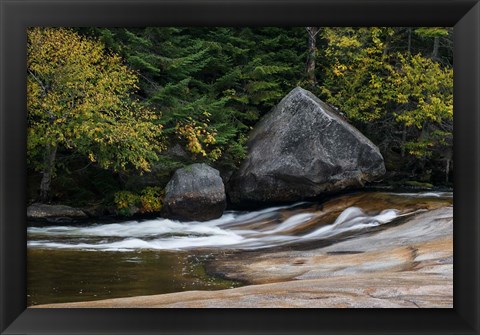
[
  {"x": 409, "y": 264},
  {"x": 41, "y": 215}
]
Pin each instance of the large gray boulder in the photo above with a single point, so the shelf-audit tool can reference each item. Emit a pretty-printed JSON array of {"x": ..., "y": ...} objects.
[
  {"x": 302, "y": 149},
  {"x": 196, "y": 193}
]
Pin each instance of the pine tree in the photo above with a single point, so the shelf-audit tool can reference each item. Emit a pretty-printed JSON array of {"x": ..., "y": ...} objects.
[{"x": 211, "y": 84}]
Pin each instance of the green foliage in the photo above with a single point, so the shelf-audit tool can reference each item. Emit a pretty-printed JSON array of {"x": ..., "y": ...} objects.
[
  {"x": 423, "y": 90},
  {"x": 432, "y": 32},
  {"x": 210, "y": 84},
  {"x": 126, "y": 202},
  {"x": 122, "y": 99},
  {"x": 402, "y": 100},
  {"x": 79, "y": 98},
  {"x": 356, "y": 77},
  {"x": 149, "y": 200}
]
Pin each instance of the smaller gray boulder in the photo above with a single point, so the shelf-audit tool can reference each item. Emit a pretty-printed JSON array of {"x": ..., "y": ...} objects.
[
  {"x": 43, "y": 211},
  {"x": 195, "y": 193}
]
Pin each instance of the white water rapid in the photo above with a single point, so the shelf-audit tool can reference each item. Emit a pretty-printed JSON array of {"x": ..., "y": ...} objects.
[{"x": 265, "y": 228}]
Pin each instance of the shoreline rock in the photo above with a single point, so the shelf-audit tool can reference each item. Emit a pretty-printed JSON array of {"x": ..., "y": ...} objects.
[
  {"x": 54, "y": 213},
  {"x": 406, "y": 246},
  {"x": 195, "y": 193},
  {"x": 385, "y": 290},
  {"x": 302, "y": 149}
]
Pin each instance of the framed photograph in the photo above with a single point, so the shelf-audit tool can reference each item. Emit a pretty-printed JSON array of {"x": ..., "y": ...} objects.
[{"x": 239, "y": 167}]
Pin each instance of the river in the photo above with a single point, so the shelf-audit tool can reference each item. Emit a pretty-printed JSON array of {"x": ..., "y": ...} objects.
[{"x": 97, "y": 261}]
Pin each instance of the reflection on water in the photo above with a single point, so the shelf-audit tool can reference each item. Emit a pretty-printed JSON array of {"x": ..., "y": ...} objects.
[
  {"x": 76, "y": 275},
  {"x": 98, "y": 261}
]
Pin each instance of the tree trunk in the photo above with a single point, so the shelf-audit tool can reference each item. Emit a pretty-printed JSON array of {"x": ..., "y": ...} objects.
[
  {"x": 409, "y": 40},
  {"x": 404, "y": 140},
  {"x": 447, "y": 171},
  {"x": 49, "y": 164},
  {"x": 436, "y": 44},
  {"x": 311, "y": 60}
]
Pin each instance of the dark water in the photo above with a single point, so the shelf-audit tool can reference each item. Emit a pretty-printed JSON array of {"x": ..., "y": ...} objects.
[
  {"x": 78, "y": 275},
  {"x": 100, "y": 261}
]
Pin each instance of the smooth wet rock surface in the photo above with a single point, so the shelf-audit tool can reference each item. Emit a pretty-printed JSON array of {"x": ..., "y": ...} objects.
[
  {"x": 408, "y": 264},
  {"x": 385, "y": 290},
  {"x": 195, "y": 193},
  {"x": 302, "y": 149},
  {"x": 427, "y": 236}
]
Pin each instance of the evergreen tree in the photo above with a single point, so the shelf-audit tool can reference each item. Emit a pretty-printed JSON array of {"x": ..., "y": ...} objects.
[
  {"x": 205, "y": 88},
  {"x": 211, "y": 85}
]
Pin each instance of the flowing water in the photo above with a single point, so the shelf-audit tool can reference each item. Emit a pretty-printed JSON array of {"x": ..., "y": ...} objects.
[{"x": 98, "y": 261}]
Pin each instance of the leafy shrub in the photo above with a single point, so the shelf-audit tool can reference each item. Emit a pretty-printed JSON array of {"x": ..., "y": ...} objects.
[
  {"x": 126, "y": 203},
  {"x": 147, "y": 201},
  {"x": 151, "y": 199}
]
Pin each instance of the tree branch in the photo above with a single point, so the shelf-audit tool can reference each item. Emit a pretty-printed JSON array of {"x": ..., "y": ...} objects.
[{"x": 45, "y": 90}]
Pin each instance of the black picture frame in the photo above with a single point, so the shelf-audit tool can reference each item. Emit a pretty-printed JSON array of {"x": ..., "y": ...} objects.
[{"x": 17, "y": 15}]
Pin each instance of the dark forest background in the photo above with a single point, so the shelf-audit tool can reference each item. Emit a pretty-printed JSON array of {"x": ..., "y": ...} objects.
[{"x": 113, "y": 112}]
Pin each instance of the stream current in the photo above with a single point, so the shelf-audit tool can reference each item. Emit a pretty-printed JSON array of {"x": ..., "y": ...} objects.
[{"x": 97, "y": 261}]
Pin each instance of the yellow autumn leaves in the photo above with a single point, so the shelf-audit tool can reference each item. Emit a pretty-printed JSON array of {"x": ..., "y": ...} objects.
[
  {"x": 81, "y": 97},
  {"x": 372, "y": 81},
  {"x": 199, "y": 137}
]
